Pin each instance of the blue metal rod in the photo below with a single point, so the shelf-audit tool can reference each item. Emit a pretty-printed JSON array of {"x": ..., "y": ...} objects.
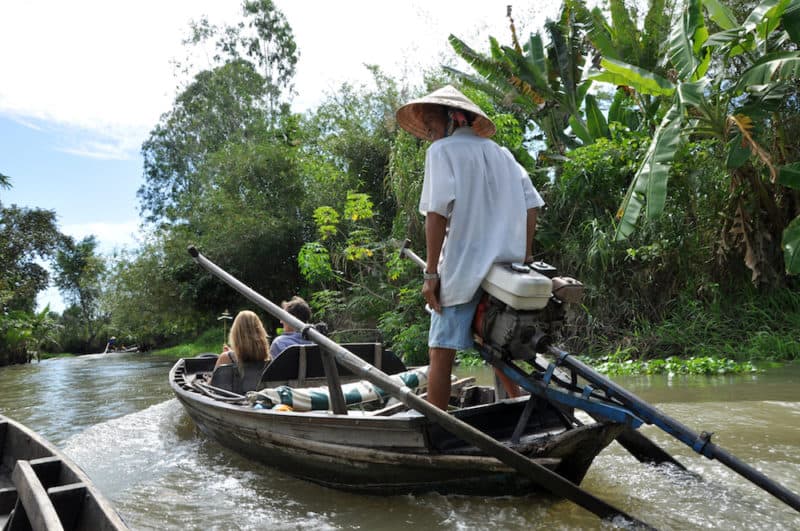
[{"x": 700, "y": 443}]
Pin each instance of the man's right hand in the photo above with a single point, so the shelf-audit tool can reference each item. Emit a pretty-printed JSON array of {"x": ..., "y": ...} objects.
[{"x": 430, "y": 290}]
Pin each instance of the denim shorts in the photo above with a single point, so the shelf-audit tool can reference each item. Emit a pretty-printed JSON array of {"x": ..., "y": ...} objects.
[{"x": 452, "y": 328}]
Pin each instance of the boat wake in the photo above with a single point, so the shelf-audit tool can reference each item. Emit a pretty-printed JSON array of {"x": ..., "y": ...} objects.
[
  {"x": 123, "y": 452},
  {"x": 160, "y": 472}
]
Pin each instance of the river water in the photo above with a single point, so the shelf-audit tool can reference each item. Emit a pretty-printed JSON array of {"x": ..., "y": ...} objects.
[{"x": 115, "y": 415}]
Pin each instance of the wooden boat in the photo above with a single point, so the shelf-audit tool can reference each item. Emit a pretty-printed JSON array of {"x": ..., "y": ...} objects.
[
  {"x": 42, "y": 489},
  {"x": 383, "y": 449},
  {"x": 387, "y": 451}
]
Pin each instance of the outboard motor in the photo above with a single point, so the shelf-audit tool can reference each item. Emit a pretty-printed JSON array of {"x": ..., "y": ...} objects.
[{"x": 522, "y": 308}]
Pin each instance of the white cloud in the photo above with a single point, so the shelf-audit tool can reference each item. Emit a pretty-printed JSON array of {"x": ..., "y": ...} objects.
[
  {"x": 107, "y": 67},
  {"x": 110, "y": 236},
  {"x": 99, "y": 150},
  {"x": 95, "y": 65}
]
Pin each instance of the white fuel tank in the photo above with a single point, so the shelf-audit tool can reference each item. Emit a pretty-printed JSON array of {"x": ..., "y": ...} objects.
[{"x": 518, "y": 286}]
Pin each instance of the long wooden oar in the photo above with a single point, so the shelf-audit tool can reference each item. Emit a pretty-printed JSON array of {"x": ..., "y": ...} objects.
[
  {"x": 541, "y": 476},
  {"x": 639, "y": 446}
]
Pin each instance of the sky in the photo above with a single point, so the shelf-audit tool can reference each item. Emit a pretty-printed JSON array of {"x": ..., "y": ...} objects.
[{"x": 82, "y": 84}]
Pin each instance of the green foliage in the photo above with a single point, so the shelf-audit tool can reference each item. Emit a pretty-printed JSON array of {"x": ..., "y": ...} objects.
[
  {"x": 27, "y": 238},
  {"x": 220, "y": 108},
  {"x": 23, "y": 335},
  {"x": 347, "y": 141},
  {"x": 262, "y": 38},
  {"x": 544, "y": 83},
  {"x": 315, "y": 263},
  {"x": 79, "y": 272},
  {"x": 208, "y": 341},
  {"x": 756, "y": 68},
  {"x": 469, "y": 358},
  {"x": 619, "y": 363},
  {"x": 327, "y": 220},
  {"x": 407, "y": 325},
  {"x": 152, "y": 294},
  {"x": 744, "y": 326},
  {"x": 636, "y": 279}
]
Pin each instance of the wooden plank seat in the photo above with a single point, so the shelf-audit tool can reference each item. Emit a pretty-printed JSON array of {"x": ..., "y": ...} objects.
[
  {"x": 33, "y": 506},
  {"x": 300, "y": 365},
  {"x": 46, "y": 495}
]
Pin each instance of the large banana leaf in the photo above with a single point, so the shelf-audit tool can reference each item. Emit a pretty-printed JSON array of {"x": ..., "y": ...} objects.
[
  {"x": 769, "y": 11},
  {"x": 791, "y": 247},
  {"x": 777, "y": 66},
  {"x": 595, "y": 121},
  {"x": 528, "y": 71},
  {"x": 789, "y": 175},
  {"x": 728, "y": 38},
  {"x": 693, "y": 93},
  {"x": 686, "y": 40},
  {"x": 536, "y": 59},
  {"x": 721, "y": 14},
  {"x": 581, "y": 131},
  {"x": 738, "y": 153},
  {"x": 620, "y": 73},
  {"x": 602, "y": 35},
  {"x": 626, "y": 33},
  {"x": 791, "y": 22},
  {"x": 649, "y": 186}
]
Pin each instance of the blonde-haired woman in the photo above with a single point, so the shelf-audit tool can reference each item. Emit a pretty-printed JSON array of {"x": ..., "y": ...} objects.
[{"x": 248, "y": 342}]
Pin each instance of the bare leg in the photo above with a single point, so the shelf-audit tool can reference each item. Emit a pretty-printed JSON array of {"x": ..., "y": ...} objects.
[
  {"x": 512, "y": 389},
  {"x": 439, "y": 376}
]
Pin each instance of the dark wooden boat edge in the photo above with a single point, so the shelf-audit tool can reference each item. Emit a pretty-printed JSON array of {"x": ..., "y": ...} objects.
[{"x": 42, "y": 488}]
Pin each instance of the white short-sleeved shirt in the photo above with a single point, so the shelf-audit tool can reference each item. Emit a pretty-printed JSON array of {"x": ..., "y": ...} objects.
[{"x": 484, "y": 193}]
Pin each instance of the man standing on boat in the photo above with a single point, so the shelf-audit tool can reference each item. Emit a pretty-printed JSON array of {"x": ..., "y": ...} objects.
[{"x": 480, "y": 208}]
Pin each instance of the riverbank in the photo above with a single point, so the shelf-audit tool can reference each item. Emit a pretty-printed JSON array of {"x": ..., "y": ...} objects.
[{"x": 208, "y": 341}]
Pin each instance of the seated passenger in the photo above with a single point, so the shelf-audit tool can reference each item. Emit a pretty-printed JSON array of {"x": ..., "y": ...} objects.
[
  {"x": 248, "y": 342},
  {"x": 300, "y": 309}
]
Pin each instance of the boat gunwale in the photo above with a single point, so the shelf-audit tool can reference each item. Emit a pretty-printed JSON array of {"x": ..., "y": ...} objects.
[
  {"x": 321, "y": 416},
  {"x": 113, "y": 520}
]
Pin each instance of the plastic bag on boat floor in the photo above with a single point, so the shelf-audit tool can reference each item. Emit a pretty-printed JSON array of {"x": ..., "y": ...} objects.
[{"x": 318, "y": 398}]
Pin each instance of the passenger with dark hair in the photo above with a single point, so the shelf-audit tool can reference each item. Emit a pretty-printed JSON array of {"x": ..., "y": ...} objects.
[{"x": 300, "y": 309}]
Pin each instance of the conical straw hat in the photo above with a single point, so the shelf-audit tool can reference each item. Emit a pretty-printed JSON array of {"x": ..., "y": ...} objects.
[{"x": 426, "y": 118}]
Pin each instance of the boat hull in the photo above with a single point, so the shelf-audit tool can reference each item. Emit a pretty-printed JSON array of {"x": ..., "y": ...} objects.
[
  {"x": 398, "y": 454},
  {"x": 41, "y": 488}
]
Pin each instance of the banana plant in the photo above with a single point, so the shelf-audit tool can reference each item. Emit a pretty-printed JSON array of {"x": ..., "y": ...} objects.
[
  {"x": 544, "y": 83},
  {"x": 621, "y": 39},
  {"x": 704, "y": 102}
]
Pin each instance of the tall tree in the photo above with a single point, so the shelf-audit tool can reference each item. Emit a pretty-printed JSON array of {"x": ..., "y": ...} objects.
[
  {"x": 79, "y": 271},
  {"x": 221, "y": 107},
  {"x": 265, "y": 39},
  {"x": 347, "y": 144},
  {"x": 28, "y": 237}
]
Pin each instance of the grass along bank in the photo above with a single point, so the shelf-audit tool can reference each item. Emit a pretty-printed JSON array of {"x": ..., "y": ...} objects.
[{"x": 208, "y": 341}]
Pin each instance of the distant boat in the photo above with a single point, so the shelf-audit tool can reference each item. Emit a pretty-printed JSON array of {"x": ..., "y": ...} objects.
[
  {"x": 42, "y": 489},
  {"x": 383, "y": 450}
]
